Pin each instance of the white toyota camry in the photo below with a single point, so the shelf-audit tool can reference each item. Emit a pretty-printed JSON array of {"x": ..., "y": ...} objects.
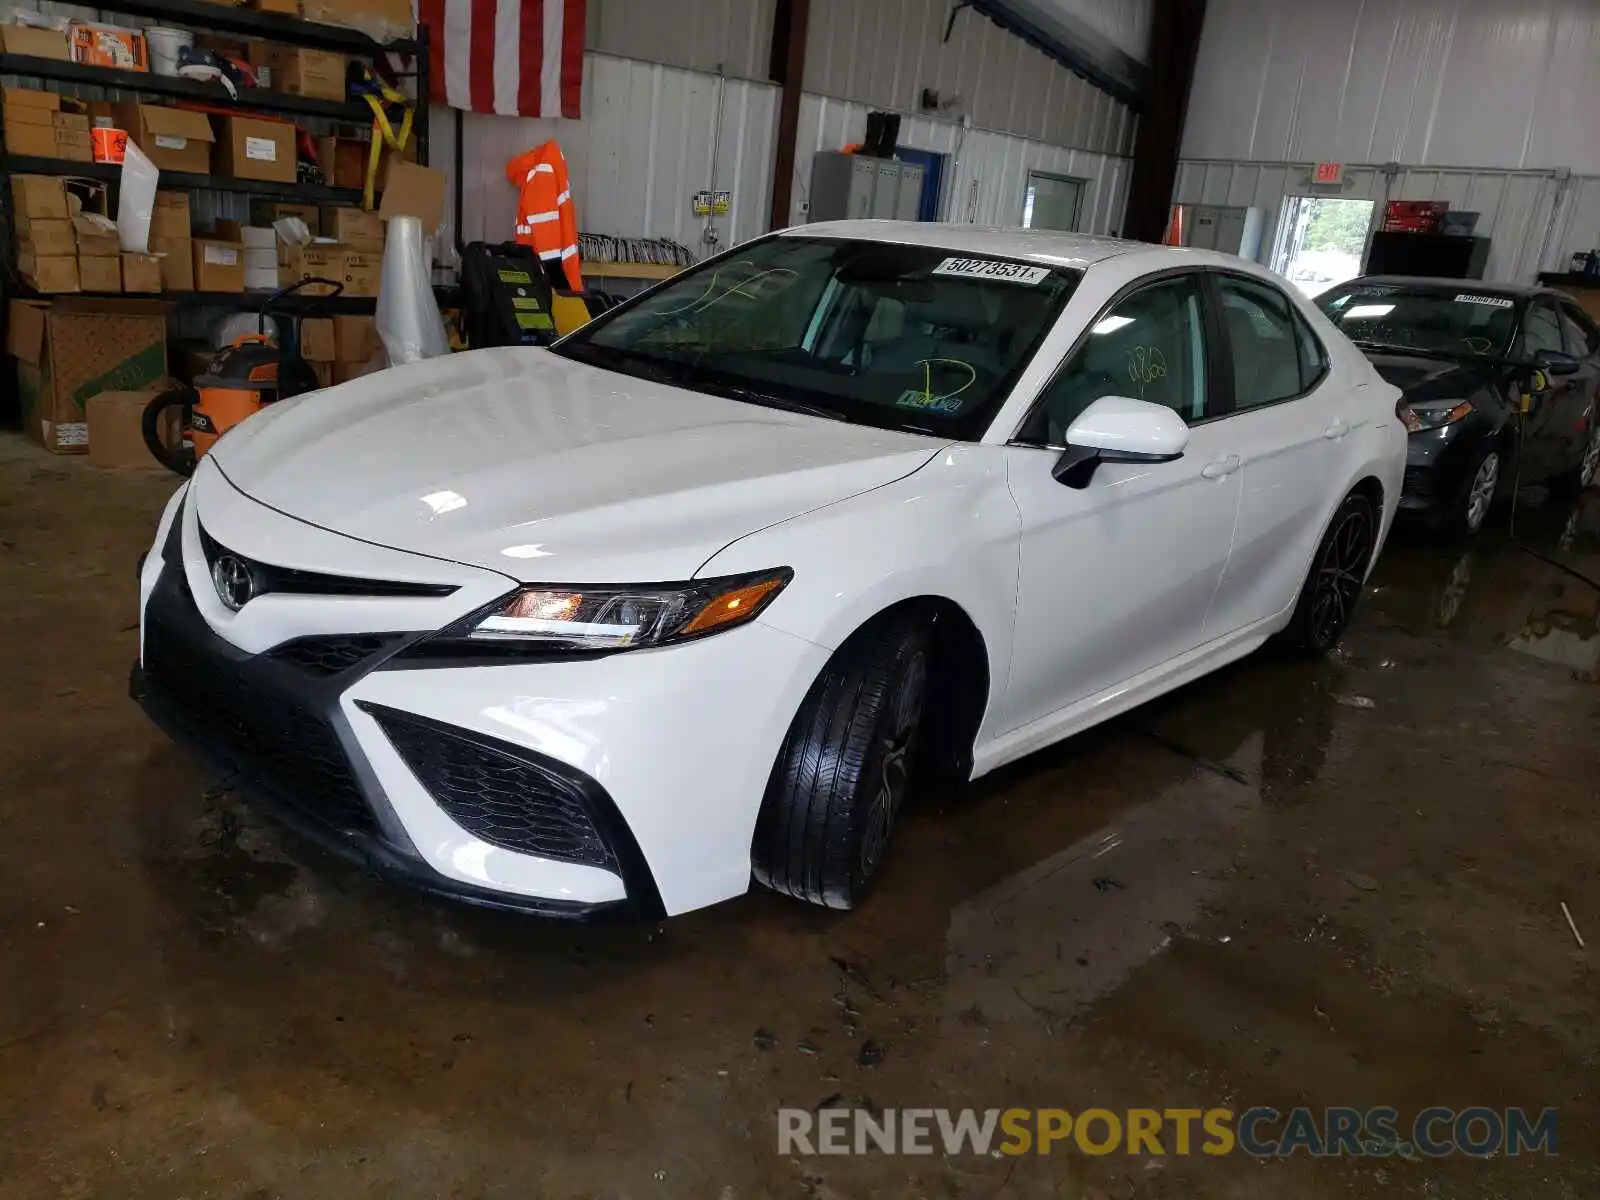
[{"x": 691, "y": 598}]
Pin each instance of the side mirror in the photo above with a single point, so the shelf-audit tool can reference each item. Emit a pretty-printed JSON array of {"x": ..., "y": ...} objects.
[
  {"x": 1556, "y": 362},
  {"x": 1118, "y": 429}
]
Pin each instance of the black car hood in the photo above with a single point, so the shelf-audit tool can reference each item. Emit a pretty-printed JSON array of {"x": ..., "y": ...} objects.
[{"x": 1423, "y": 379}]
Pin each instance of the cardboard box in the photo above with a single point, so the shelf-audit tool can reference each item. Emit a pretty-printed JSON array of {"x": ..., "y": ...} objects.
[
  {"x": 174, "y": 139},
  {"x": 34, "y": 141},
  {"x": 108, "y": 46},
  {"x": 141, "y": 273},
  {"x": 170, "y": 218},
  {"x": 343, "y": 161},
  {"x": 320, "y": 260},
  {"x": 48, "y": 273},
  {"x": 17, "y": 98},
  {"x": 264, "y": 213},
  {"x": 100, "y": 274},
  {"x": 39, "y": 196},
  {"x": 324, "y": 373},
  {"x": 363, "y": 272},
  {"x": 315, "y": 74},
  {"x": 74, "y": 144},
  {"x": 71, "y": 350},
  {"x": 383, "y": 20},
  {"x": 116, "y": 427},
  {"x": 73, "y": 122},
  {"x": 355, "y": 339},
  {"x": 253, "y": 148},
  {"x": 35, "y": 43},
  {"x": 101, "y": 114},
  {"x": 317, "y": 340},
  {"x": 353, "y": 228},
  {"x": 96, "y": 236},
  {"x": 218, "y": 265},
  {"x": 344, "y": 372},
  {"x": 46, "y": 238},
  {"x": 176, "y": 256},
  {"x": 413, "y": 191}
]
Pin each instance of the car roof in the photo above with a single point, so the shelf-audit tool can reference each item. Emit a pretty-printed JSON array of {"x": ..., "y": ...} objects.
[
  {"x": 1481, "y": 287},
  {"x": 1046, "y": 247}
]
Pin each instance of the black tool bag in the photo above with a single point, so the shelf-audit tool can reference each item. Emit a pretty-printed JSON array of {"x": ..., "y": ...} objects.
[{"x": 505, "y": 296}]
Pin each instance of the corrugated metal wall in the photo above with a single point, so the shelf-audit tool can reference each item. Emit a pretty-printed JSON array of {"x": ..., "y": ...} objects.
[
  {"x": 883, "y": 53},
  {"x": 1577, "y": 222},
  {"x": 1508, "y": 84},
  {"x": 1516, "y": 207},
  {"x": 642, "y": 150},
  {"x": 734, "y": 36},
  {"x": 986, "y": 173}
]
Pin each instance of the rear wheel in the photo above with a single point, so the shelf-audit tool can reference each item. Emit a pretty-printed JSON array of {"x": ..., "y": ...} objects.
[
  {"x": 1584, "y": 474},
  {"x": 1331, "y": 591},
  {"x": 842, "y": 775}
]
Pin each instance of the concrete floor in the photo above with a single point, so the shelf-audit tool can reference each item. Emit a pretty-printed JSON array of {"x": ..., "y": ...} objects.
[{"x": 1339, "y": 884}]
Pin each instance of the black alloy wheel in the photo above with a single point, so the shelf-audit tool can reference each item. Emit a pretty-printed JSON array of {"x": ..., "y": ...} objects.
[{"x": 1332, "y": 589}]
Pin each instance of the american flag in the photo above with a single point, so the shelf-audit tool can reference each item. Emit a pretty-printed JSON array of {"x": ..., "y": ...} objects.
[{"x": 512, "y": 57}]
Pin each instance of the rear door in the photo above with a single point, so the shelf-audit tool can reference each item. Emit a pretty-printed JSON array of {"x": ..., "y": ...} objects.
[
  {"x": 1582, "y": 339},
  {"x": 1288, "y": 425}
]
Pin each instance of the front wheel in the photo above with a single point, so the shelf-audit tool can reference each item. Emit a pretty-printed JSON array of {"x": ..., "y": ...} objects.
[
  {"x": 1338, "y": 572},
  {"x": 1476, "y": 497},
  {"x": 842, "y": 775}
]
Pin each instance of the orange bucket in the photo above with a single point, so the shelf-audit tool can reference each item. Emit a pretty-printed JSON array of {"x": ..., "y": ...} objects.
[{"x": 110, "y": 145}]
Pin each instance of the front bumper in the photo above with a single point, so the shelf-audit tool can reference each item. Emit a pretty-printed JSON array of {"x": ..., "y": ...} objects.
[
  {"x": 1437, "y": 462},
  {"x": 567, "y": 788}
]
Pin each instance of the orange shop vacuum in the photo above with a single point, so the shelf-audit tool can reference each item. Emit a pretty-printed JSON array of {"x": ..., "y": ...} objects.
[{"x": 243, "y": 378}]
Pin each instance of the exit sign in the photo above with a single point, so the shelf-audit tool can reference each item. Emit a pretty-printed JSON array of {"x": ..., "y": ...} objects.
[{"x": 1328, "y": 173}]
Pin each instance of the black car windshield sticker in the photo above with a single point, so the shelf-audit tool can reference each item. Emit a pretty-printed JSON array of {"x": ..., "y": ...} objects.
[{"x": 989, "y": 268}]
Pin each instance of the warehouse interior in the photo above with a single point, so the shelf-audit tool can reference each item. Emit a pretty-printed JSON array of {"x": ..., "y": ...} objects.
[{"x": 1366, "y": 881}]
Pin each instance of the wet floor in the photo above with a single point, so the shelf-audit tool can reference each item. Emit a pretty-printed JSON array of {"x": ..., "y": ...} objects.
[{"x": 1329, "y": 885}]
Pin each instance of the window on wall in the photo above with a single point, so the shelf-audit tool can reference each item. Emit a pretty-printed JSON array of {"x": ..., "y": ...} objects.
[{"x": 1052, "y": 202}]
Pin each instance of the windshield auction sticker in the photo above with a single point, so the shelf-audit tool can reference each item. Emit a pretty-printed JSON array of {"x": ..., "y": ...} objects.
[
  {"x": 988, "y": 268},
  {"x": 1491, "y": 301}
]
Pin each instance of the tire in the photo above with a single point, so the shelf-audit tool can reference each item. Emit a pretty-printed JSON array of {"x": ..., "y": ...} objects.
[
  {"x": 1332, "y": 587},
  {"x": 1585, "y": 474},
  {"x": 842, "y": 775},
  {"x": 1469, "y": 508}
]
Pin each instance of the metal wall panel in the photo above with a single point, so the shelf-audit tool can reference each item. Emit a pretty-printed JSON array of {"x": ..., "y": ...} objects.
[
  {"x": 1508, "y": 84},
  {"x": 883, "y": 53},
  {"x": 642, "y": 150},
  {"x": 733, "y": 36},
  {"x": 986, "y": 173},
  {"x": 1576, "y": 225},
  {"x": 1517, "y": 208}
]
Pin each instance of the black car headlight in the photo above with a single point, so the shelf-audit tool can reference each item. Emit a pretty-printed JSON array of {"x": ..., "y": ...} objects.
[
  {"x": 607, "y": 618},
  {"x": 1432, "y": 414}
]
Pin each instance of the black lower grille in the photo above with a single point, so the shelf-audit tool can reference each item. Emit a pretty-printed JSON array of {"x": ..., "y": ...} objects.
[
  {"x": 326, "y": 657},
  {"x": 1418, "y": 481},
  {"x": 500, "y": 796},
  {"x": 268, "y": 735}
]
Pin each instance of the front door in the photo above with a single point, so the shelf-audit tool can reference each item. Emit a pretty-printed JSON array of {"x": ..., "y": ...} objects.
[
  {"x": 1115, "y": 579},
  {"x": 1288, "y": 428}
]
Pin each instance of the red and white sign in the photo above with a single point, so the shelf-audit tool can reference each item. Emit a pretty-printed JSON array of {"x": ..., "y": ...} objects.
[
  {"x": 520, "y": 58},
  {"x": 1328, "y": 173}
]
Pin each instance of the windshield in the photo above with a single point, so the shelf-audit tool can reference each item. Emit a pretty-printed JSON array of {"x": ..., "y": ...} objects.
[
  {"x": 1458, "y": 323},
  {"x": 904, "y": 337}
]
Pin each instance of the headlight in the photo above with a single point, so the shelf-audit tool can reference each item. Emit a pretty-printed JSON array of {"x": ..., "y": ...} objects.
[
  {"x": 605, "y": 618},
  {"x": 1432, "y": 414}
]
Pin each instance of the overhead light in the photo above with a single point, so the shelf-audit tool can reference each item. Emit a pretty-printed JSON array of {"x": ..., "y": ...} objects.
[
  {"x": 1112, "y": 324},
  {"x": 1362, "y": 311}
]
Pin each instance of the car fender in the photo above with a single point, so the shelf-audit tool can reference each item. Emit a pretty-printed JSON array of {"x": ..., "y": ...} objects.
[{"x": 951, "y": 530}]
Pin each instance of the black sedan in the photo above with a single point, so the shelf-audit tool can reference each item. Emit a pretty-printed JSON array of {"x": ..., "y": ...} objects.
[{"x": 1499, "y": 382}]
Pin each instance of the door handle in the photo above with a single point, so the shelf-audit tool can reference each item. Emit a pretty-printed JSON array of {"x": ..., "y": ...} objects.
[
  {"x": 1219, "y": 468},
  {"x": 1337, "y": 429}
]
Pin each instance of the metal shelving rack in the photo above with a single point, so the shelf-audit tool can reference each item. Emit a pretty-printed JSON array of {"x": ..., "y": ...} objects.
[{"x": 214, "y": 18}]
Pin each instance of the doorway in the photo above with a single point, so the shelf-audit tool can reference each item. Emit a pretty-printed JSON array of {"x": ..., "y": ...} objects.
[
  {"x": 932, "y": 164},
  {"x": 1321, "y": 241},
  {"x": 1052, "y": 202}
]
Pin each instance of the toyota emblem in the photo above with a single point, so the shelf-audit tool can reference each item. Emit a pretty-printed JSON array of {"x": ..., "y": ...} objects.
[{"x": 233, "y": 581}]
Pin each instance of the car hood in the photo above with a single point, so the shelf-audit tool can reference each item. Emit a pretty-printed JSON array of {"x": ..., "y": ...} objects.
[
  {"x": 1423, "y": 379},
  {"x": 542, "y": 468}
]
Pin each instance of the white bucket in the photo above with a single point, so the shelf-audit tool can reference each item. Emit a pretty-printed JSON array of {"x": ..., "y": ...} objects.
[{"x": 165, "y": 46}]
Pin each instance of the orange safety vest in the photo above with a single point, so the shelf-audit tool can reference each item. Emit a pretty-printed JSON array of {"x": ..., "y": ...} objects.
[{"x": 546, "y": 219}]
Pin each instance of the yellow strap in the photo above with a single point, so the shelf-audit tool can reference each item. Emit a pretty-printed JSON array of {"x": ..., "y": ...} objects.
[{"x": 383, "y": 134}]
